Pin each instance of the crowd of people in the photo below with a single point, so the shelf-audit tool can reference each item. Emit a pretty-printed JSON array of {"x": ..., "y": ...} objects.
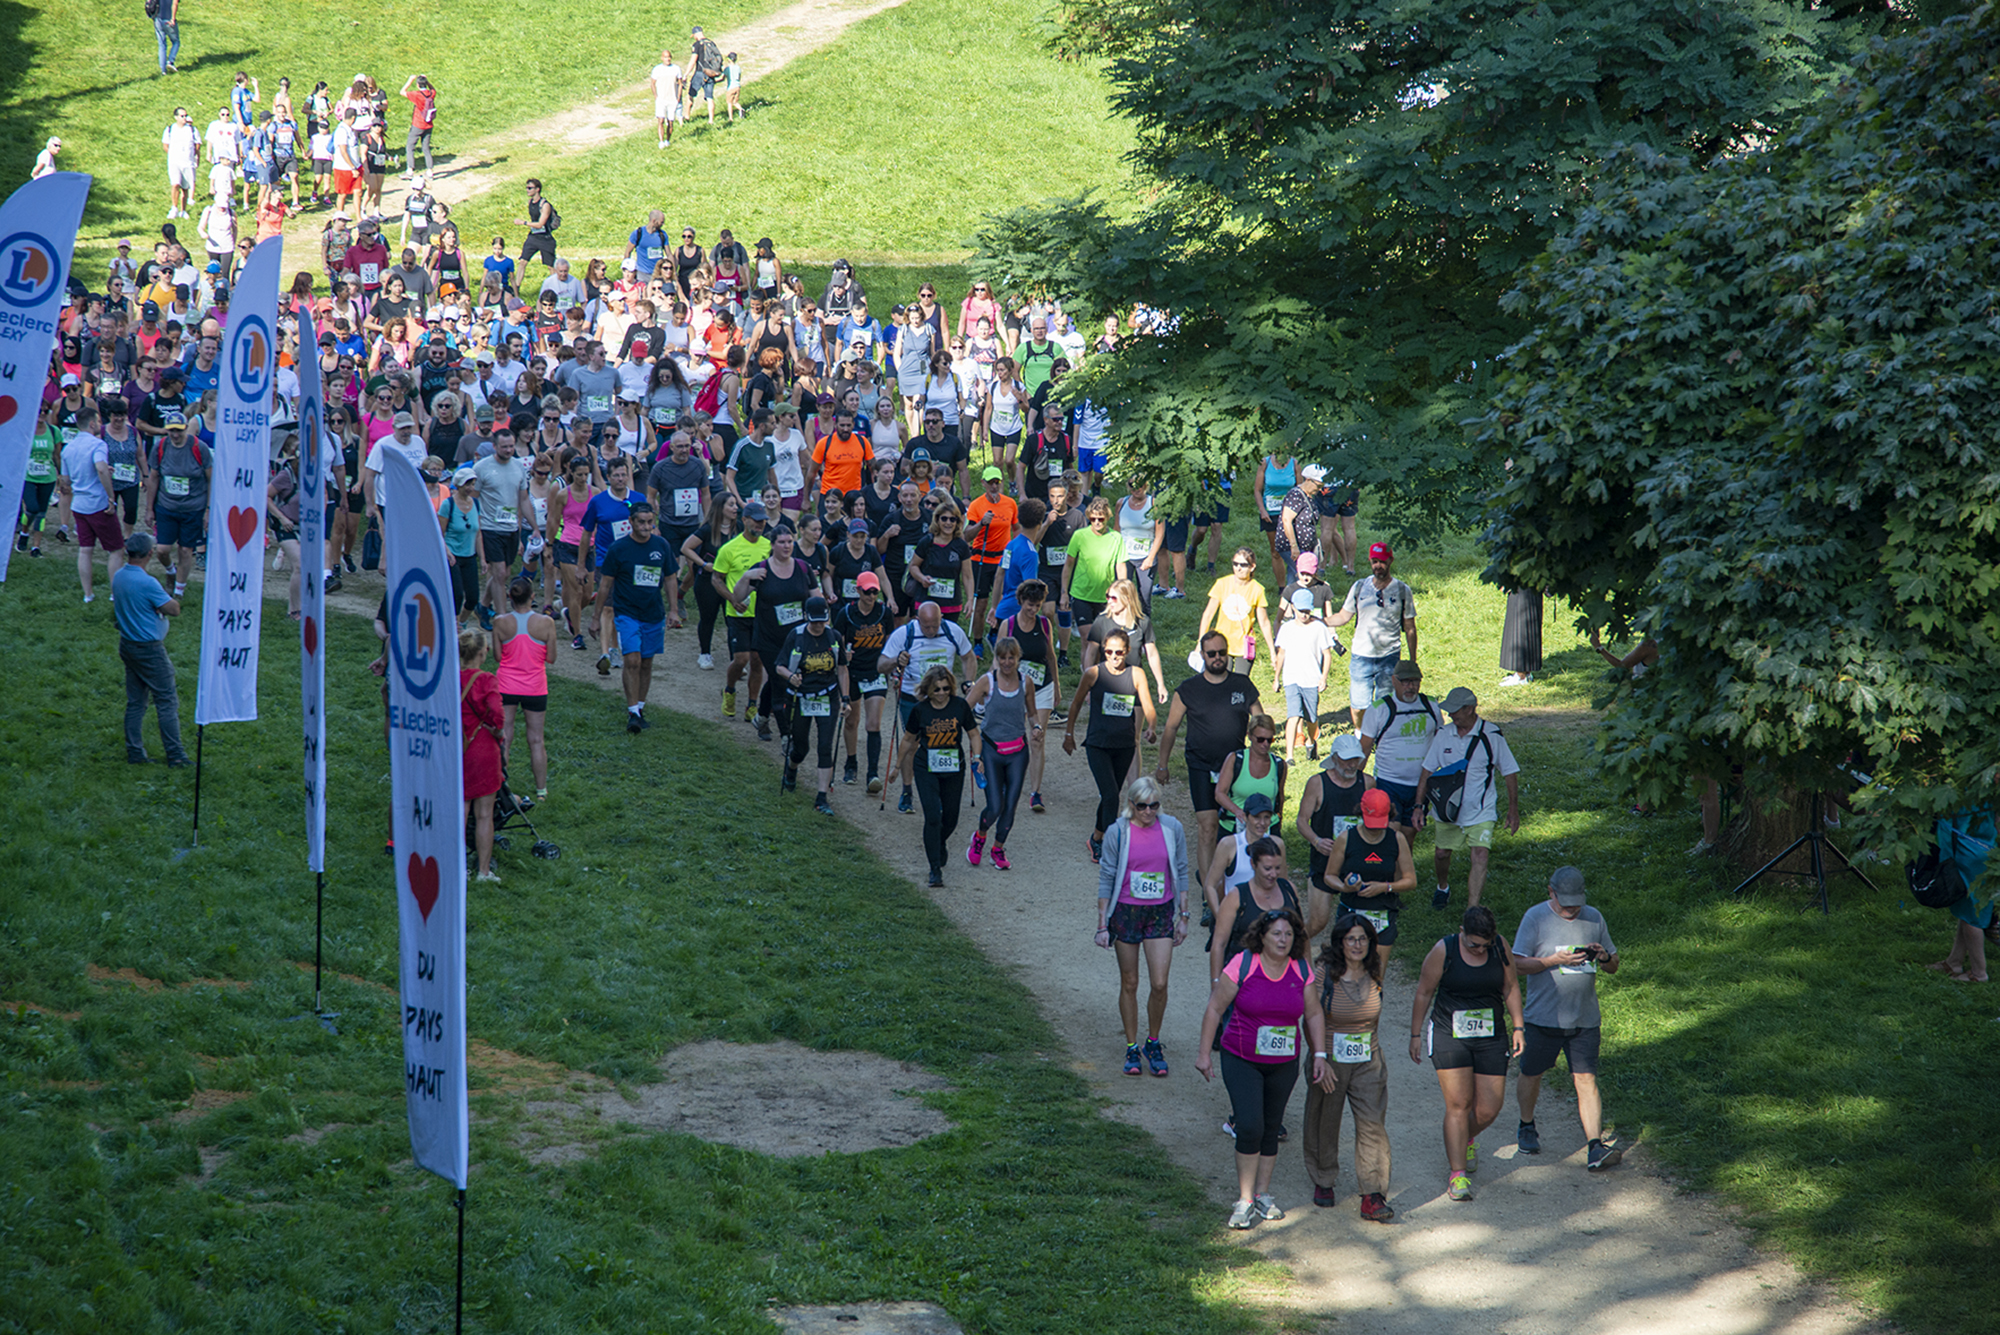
[{"x": 893, "y": 522}]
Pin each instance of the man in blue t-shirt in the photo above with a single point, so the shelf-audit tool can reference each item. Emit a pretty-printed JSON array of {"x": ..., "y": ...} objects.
[
  {"x": 630, "y": 577},
  {"x": 1021, "y": 561},
  {"x": 605, "y": 520},
  {"x": 141, "y": 606},
  {"x": 647, "y": 245}
]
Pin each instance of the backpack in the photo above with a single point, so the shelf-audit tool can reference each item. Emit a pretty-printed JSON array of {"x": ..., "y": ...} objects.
[
  {"x": 1425, "y": 705},
  {"x": 555, "y": 218},
  {"x": 710, "y": 397},
  {"x": 1935, "y": 880},
  {"x": 1447, "y": 790},
  {"x": 152, "y": 9},
  {"x": 1283, "y": 767}
]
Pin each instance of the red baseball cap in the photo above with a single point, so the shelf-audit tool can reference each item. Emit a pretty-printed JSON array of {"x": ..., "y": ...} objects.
[
  {"x": 1380, "y": 552},
  {"x": 1375, "y": 809},
  {"x": 866, "y": 580}
]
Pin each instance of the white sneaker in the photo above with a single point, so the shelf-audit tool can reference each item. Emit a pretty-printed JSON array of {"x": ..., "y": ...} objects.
[
  {"x": 706, "y": 662},
  {"x": 1244, "y": 1215},
  {"x": 1267, "y": 1208},
  {"x": 1517, "y": 679}
]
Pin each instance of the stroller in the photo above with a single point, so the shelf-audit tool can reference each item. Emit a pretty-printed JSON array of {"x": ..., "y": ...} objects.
[{"x": 509, "y": 811}]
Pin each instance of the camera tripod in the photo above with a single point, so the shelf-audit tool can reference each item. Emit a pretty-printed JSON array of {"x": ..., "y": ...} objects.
[{"x": 1820, "y": 845}]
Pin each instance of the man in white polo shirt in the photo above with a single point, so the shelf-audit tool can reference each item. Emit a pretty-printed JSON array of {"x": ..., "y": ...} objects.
[{"x": 1459, "y": 780}]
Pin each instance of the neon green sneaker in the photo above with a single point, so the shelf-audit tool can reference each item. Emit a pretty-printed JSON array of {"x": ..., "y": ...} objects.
[
  {"x": 1461, "y": 1187},
  {"x": 729, "y": 704}
]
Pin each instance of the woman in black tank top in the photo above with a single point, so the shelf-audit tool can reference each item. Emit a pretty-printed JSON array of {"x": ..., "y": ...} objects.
[
  {"x": 1118, "y": 693},
  {"x": 1265, "y": 892},
  {"x": 1467, "y": 980},
  {"x": 1328, "y": 810},
  {"x": 772, "y": 333},
  {"x": 1370, "y": 868}
]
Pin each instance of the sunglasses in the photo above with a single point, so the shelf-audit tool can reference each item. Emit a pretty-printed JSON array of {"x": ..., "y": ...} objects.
[
  {"x": 1215, "y": 653},
  {"x": 945, "y": 523},
  {"x": 1240, "y": 565},
  {"x": 1145, "y": 806},
  {"x": 1266, "y": 739}
]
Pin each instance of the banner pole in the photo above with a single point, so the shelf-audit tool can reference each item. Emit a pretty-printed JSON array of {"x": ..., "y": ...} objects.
[
  {"x": 458, "y": 1318},
  {"x": 195, "y": 842},
  {"x": 319, "y": 934}
]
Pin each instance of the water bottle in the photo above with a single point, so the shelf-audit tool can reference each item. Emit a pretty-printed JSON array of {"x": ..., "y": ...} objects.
[{"x": 1250, "y": 647}]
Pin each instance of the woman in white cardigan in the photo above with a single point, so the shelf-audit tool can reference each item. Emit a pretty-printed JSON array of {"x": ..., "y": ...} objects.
[{"x": 1143, "y": 898}]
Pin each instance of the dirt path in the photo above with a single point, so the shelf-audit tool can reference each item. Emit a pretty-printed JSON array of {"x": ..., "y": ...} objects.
[
  {"x": 492, "y": 160},
  {"x": 1544, "y": 1247}
]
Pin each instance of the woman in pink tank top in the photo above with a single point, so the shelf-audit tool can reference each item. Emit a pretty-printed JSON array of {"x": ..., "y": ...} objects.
[
  {"x": 566, "y": 541},
  {"x": 1263, "y": 990},
  {"x": 526, "y": 641}
]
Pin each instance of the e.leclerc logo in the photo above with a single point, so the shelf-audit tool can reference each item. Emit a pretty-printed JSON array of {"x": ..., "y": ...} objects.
[
  {"x": 250, "y": 360},
  {"x": 28, "y": 269},
  {"x": 416, "y": 644},
  {"x": 309, "y": 450}
]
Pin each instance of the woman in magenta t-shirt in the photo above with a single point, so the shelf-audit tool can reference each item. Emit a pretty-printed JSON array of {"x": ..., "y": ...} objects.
[{"x": 1267, "y": 985}]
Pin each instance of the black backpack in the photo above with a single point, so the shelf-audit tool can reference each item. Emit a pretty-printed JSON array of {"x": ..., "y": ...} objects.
[
  {"x": 555, "y": 219},
  {"x": 1447, "y": 790},
  {"x": 152, "y": 9},
  {"x": 1935, "y": 880}
]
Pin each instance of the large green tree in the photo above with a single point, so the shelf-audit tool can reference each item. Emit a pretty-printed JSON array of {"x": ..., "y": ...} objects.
[
  {"x": 1336, "y": 194},
  {"x": 1758, "y": 418}
]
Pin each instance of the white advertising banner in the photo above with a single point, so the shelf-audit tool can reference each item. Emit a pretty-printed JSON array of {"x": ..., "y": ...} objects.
[
  {"x": 37, "y": 235},
  {"x": 427, "y": 785},
  {"x": 314, "y": 464},
  {"x": 232, "y": 595}
]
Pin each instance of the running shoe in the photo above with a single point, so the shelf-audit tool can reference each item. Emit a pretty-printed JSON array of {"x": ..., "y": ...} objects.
[
  {"x": 34, "y": 551},
  {"x": 485, "y": 617},
  {"x": 1156, "y": 1058},
  {"x": 348, "y": 561},
  {"x": 729, "y": 704},
  {"x": 903, "y": 802},
  {"x": 976, "y": 849},
  {"x": 632, "y": 723},
  {"x": 1460, "y": 1188},
  {"x": 1603, "y": 1154},
  {"x": 1324, "y": 1197},
  {"x": 576, "y": 643},
  {"x": 1096, "y": 847},
  {"x": 874, "y": 785},
  {"x": 604, "y": 665},
  {"x": 1244, "y": 1215},
  {"x": 1035, "y": 803},
  {"x": 21, "y": 541},
  {"x": 999, "y": 859},
  {"x": 706, "y": 662},
  {"x": 822, "y": 806},
  {"x": 763, "y": 727},
  {"x": 937, "y": 878},
  {"x": 1062, "y": 661},
  {"x": 791, "y": 779},
  {"x": 490, "y": 876},
  {"x": 850, "y": 771},
  {"x": 1375, "y": 1209},
  {"x": 1229, "y": 1127},
  {"x": 644, "y": 722},
  {"x": 1440, "y": 896},
  {"x": 333, "y": 583},
  {"x": 1527, "y": 1139},
  {"x": 1267, "y": 1207},
  {"x": 1471, "y": 1158},
  {"x": 1133, "y": 1063}
]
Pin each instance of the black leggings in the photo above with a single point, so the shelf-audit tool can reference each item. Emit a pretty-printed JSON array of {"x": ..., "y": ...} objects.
[
  {"x": 709, "y": 603},
  {"x": 1005, "y": 777},
  {"x": 465, "y": 583},
  {"x": 795, "y": 750},
  {"x": 940, "y": 795},
  {"x": 1258, "y": 1093},
  {"x": 767, "y": 698},
  {"x": 1108, "y": 765}
]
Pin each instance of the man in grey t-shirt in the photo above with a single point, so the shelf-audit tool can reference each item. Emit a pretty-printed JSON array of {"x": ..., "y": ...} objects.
[
  {"x": 1383, "y": 611},
  {"x": 504, "y": 496},
  {"x": 596, "y": 386},
  {"x": 1561, "y": 947}
]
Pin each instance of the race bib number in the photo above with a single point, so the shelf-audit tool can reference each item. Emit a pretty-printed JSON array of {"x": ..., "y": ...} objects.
[
  {"x": 943, "y": 588},
  {"x": 1137, "y": 549},
  {"x": 646, "y": 577},
  {"x": 1342, "y": 824},
  {"x": 1052, "y": 468},
  {"x": 789, "y": 614},
  {"x": 1353, "y": 1047},
  {"x": 175, "y": 486},
  {"x": 663, "y": 417},
  {"x": 1273, "y": 504},
  {"x": 1118, "y": 706},
  {"x": 1379, "y": 918},
  {"x": 1058, "y": 557},
  {"x": 875, "y": 684},
  {"x": 619, "y": 528},
  {"x": 1277, "y": 1040},
  {"x": 816, "y": 706},
  {"x": 909, "y": 553},
  {"x": 1472, "y": 1024},
  {"x": 597, "y": 403},
  {"x": 1586, "y": 966},
  {"x": 944, "y": 762},
  {"x": 123, "y": 473},
  {"x": 371, "y": 272},
  {"x": 850, "y": 589},
  {"x": 1149, "y": 886},
  {"x": 506, "y": 517},
  {"x": 687, "y": 502},
  {"x": 1036, "y": 672}
]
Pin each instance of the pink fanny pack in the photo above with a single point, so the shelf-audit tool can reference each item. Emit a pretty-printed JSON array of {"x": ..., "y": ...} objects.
[{"x": 1009, "y": 748}]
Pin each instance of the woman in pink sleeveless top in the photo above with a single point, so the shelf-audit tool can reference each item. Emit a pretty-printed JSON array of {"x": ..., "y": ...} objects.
[
  {"x": 525, "y": 641},
  {"x": 1263, "y": 990}
]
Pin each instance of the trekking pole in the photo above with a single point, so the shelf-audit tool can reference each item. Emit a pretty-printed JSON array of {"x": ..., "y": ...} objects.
[{"x": 895, "y": 739}]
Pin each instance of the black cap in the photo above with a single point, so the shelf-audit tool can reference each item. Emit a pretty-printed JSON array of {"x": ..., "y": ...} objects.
[
  {"x": 172, "y": 373},
  {"x": 151, "y": 310},
  {"x": 815, "y": 608}
]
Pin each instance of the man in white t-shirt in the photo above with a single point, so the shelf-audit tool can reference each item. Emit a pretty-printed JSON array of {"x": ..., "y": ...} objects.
[
  {"x": 86, "y": 487},
  {"x": 666, "y": 79},
  {"x": 1397, "y": 730},
  {"x": 925, "y": 641},
  {"x": 225, "y": 152},
  {"x": 1462, "y": 765},
  {"x": 182, "y": 144},
  {"x": 1384, "y": 611},
  {"x": 403, "y": 440},
  {"x": 1301, "y": 658}
]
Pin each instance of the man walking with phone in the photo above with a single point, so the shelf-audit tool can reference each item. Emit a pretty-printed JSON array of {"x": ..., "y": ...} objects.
[{"x": 1560, "y": 949}]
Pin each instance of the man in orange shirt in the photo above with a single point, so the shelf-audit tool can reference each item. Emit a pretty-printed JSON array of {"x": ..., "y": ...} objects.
[
  {"x": 839, "y": 459},
  {"x": 989, "y": 527}
]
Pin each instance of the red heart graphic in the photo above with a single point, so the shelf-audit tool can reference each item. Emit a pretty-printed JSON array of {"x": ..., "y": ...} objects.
[
  {"x": 8, "y": 408},
  {"x": 424, "y": 883},
  {"x": 242, "y": 525},
  {"x": 309, "y": 630}
]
